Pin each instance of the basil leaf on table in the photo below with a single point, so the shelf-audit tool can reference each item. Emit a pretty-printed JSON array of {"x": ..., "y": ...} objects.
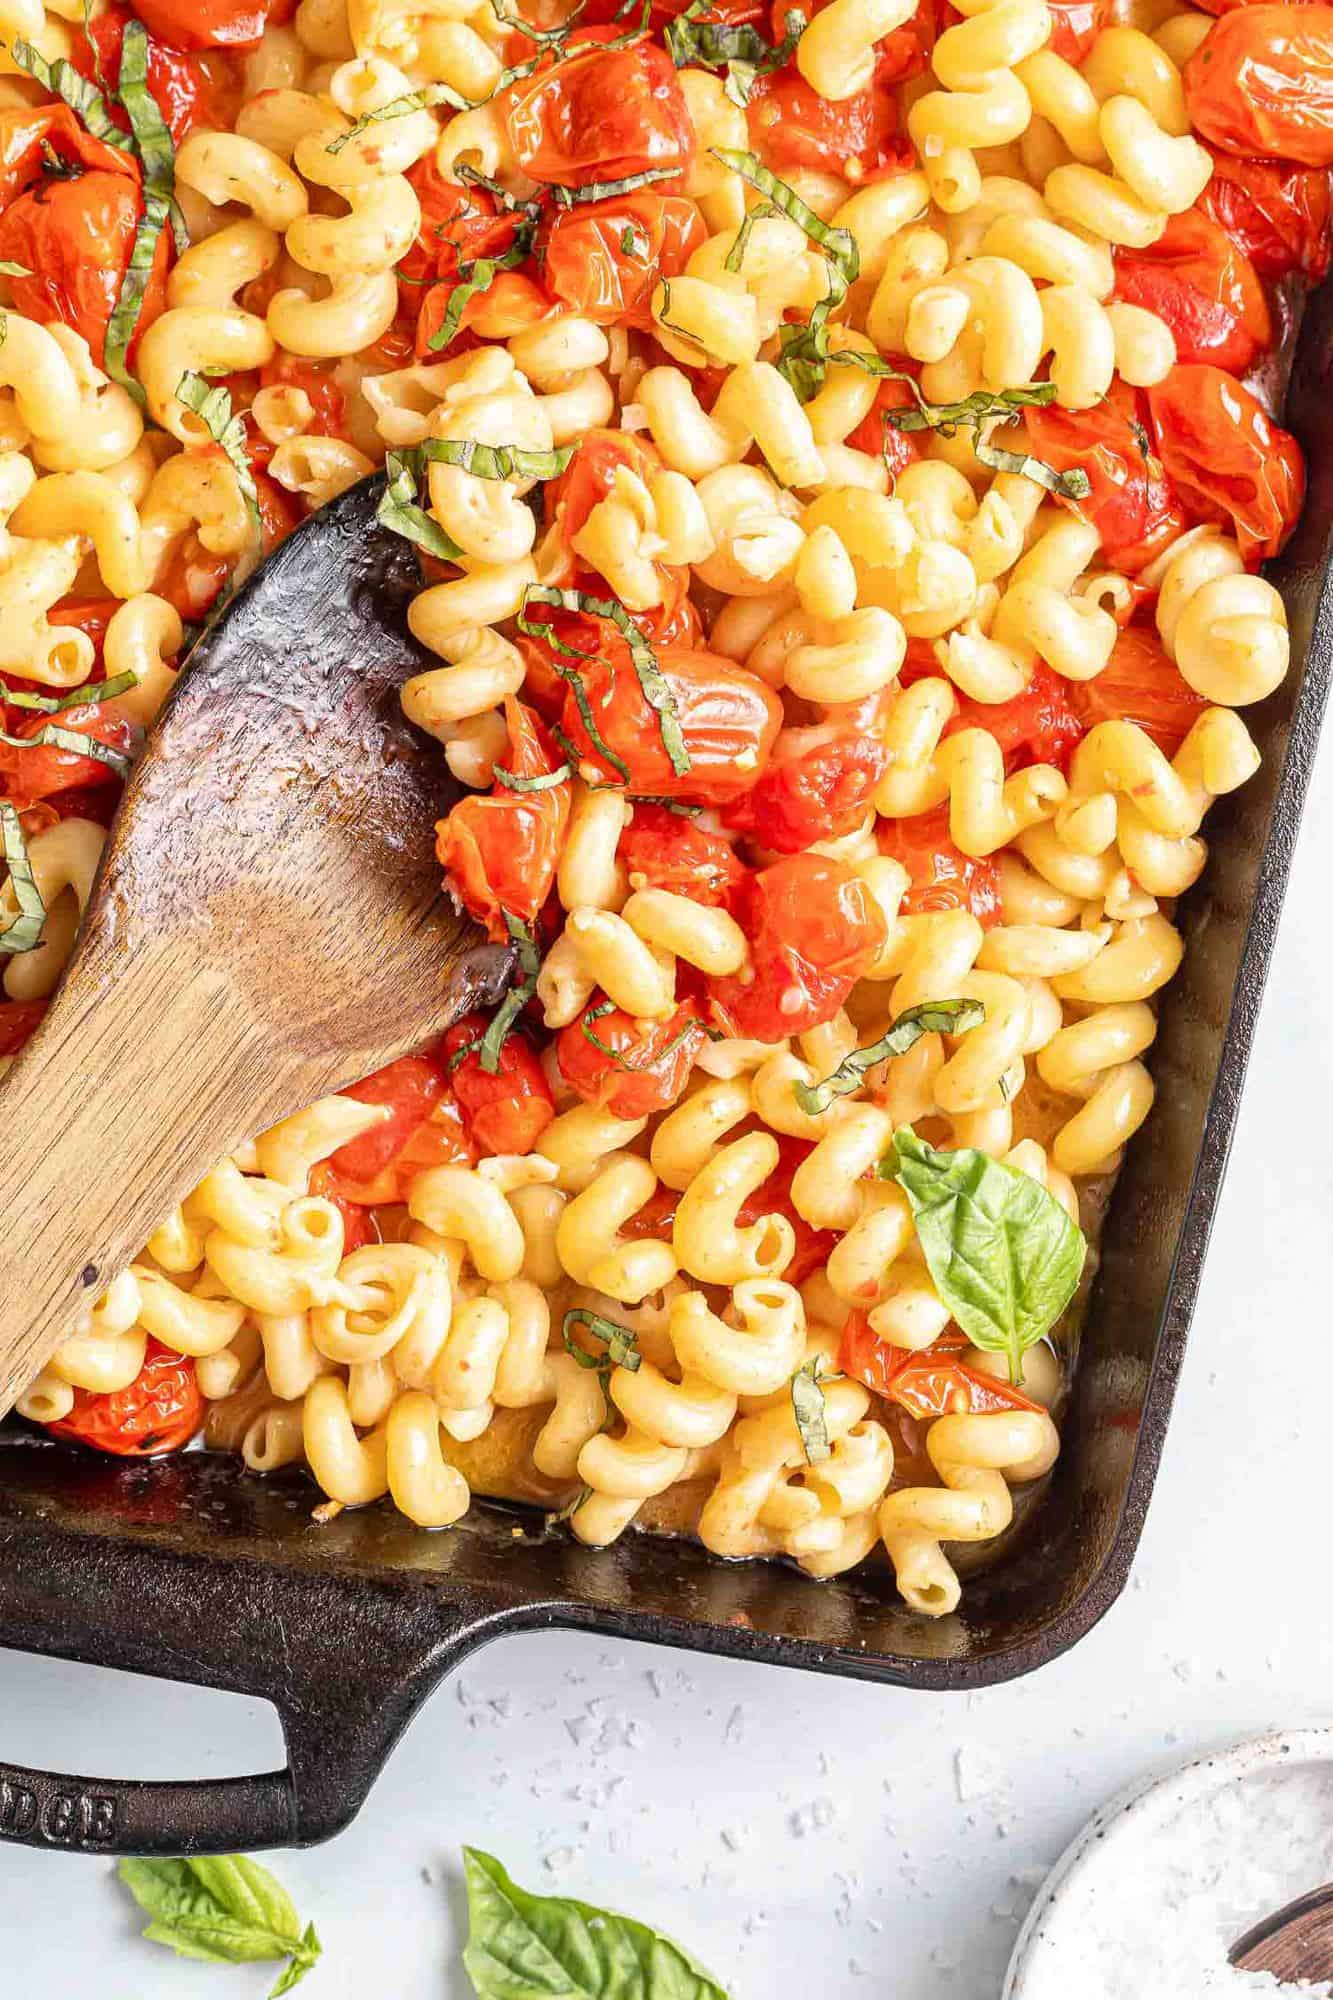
[
  {"x": 225, "y": 1908},
  {"x": 1005, "y": 1258},
  {"x": 526, "y": 1947}
]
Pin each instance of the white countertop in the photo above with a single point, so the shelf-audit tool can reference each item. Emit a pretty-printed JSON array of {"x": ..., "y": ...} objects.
[{"x": 799, "y": 1833}]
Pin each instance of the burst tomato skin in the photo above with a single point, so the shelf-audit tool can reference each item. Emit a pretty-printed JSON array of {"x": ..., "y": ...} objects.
[
  {"x": 605, "y": 258},
  {"x": 879, "y": 438},
  {"x": 1131, "y": 504},
  {"x": 458, "y": 226},
  {"x": 794, "y": 126},
  {"x": 932, "y": 1382},
  {"x": 182, "y": 92},
  {"x": 941, "y": 876},
  {"x": 159, "y": 1412},
  {"x": 600, "y": 115},
  {"x": 41, "y": 771},
  {"x": 1280, "y": 215},
  {"x": 662, "y": 850},
  {"x": 1227, "y": 459},
  {"x": 1141, "y": 684},
  {"x": 1038, "y": 726},
  {"x": 590, "y": 476},
  {"x": 650, "y": 1067},
  {"x": 1261, "y": 82},
  {"x": 817, "y": 787},
  {"x": 813, "y": 928},
  {"x": 1075, "y": 26},
  {"x": 504, "y": 1112},
  {"x": 206, "y": 24},
  {"x": 75, "y": 238},
  {"x": 725, "y": 714},
  {"x": 409, "y": 1089},
  {"x": 499, "y": 852},
  {"x": 814, "y": 1247},
  {"x": 28, "y": 138},
  {"x": 1204, "y": 287}
]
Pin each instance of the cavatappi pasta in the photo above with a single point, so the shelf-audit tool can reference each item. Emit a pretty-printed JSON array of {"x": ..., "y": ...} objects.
[{"x": 842, "y": 507}]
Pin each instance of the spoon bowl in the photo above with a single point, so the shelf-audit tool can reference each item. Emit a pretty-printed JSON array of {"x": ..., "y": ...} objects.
[{"x": 267, "y": 924}]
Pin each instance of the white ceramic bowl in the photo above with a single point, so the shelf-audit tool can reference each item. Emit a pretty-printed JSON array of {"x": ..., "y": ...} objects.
[{"x": 1092, "y": 1874}]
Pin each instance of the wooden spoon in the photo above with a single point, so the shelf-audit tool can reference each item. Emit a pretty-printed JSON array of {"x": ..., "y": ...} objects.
[
  {"x": 1294, "y": 1943},
  {"x": 267, "y": 925}
]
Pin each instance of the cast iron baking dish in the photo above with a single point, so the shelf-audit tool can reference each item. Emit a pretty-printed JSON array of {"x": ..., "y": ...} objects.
[{"x": 195, "y": 1570}]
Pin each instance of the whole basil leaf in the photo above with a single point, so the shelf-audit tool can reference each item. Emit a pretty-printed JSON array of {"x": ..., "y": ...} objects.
[
  {"x": 1005, "y": 1257},
  {"x": 225, "y": 1908},
  {"x": 526, "y": 1947}
]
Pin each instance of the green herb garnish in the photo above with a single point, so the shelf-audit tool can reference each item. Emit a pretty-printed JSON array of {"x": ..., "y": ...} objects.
[
  {"x": 932, "y": 1017},
  {"x": 25, "y": 933},
  {"x": 227, "y": 1908},
  {"x": 400, "y": 508},
  {"x": 495, "y": 461},
  {"x": 477, "y": 277},
  {"x": 211, "y": 403},
  {"x": 517, "y": 998},
  {"x": 622, "y": 1349},
  {"x": 77, "y": 743},
  {"x": 807, "y": 1402},
  {"x": 656, "y": 691}
]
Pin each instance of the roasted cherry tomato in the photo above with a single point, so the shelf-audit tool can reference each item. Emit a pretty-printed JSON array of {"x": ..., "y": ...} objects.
[
  {"x": 1204, "y": 287},
  {"x": 460, "y": 225},
  {"x": 504, "y": 1112},
  {"x": 639, "y": 1068},
  {"x": 316, "y": 379},
  {"x": 160, "y": 1411},
  {"x": 1277, "y": 213},
  {"x": 1141, "y": 684},
  {"x": 605, "y": 258},
  {"x": 92, "y": 615},
  {"x": 75, "y": 237},
  {"x": 438, "y": 1142},
  {"x": 1227, "y": 459},
  {"x": 184, "y": 94},
  {"x": 35, "y": 141},
  {"x": 773, "y": 1197},
  {"x": 43, "y": 769},
  {"x": 880, "y": 438},
  {"x": 661, "y": 849},
  {"x": 602, "y": 114},
  {"x": 1261, "y": 82},
  {"x": 18, "y": 1021},
  {"x": 813, "y": 928},
  {"x": 795, "y": 127},
  {"x": 817, "y": 786},
  {"x": 1039, "y": 726},
  {"x": 942, "y": 876},
  {"x": 208, "y": 24},
  {"x": 1075, "y": 26},
  {"x": 1131, "y": 505},
  {"x": 728, "y": 719},
  {"x": 591, "y": 475},
  {"x": 357, "y": 1220},
  {"x": 931, "y": 1381},
  {"x": 193, "y": 577},
  {"x": 499, "y": 851},
  {"x": 409, "y": 1089}
]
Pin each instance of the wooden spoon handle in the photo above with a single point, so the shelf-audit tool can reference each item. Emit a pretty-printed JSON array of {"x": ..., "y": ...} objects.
[{"x": 106, "y": 1122}]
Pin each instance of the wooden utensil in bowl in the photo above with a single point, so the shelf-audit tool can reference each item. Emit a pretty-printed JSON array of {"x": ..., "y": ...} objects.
[
  {"x": 267, "y": 924},
  {"x": 1294, "y": 1943}
]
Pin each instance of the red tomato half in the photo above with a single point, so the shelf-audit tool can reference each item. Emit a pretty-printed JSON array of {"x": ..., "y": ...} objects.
[
  {"x": 604, "y": 258},
  {"x": 182, "y": 91},
  {"x": 499, "y": 851},
  {"x": 591, "y": 475},
  {"x": 1227, "y": 459},
  {"x": 942, "y": 876},
  {"x": 504, "y": 1112},
  {"x": 665, "y": 850},
  {"x": 817, "y": 786},
  {"x": 1202, "y": 284},
  {"x": 793, "y": 126},
  {"x": 160, "y": 1411},
  {"x": 1141, "y": 684},
  {"x": 601, "y": 114},
  {"x": 725, "y": 715},
  {"x": 648, "y": 1068},
  {"x": 813, "y": 928},
  {"x": 30, "y": 138},
  {"x": 1277, "y": 213},
  {"x": 1261, "y": 82},
  {"x": 75, "y": 237},
  {"x": 1131, "y": 505},
  {"x": 932, "y": 1381}
]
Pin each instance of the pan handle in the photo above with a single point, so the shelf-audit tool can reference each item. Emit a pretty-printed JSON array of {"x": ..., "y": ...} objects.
[{"x": 346, "y": 1664}]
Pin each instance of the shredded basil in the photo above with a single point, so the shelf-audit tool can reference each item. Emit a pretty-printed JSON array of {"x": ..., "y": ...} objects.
[
  {"x": 737, "y": 47},
  {"x": 618, "y": 1056},
  {"x": 656, "y": 692},
  {"x": 516, "y": 999},
  {"x": 570, "y": 1509},
  {"x": 9, "y": 269},
  {"x": 76, "y": 741},
  {"x": 932, "y": 1017},
  {"x": 152, "y": 136},
  {"x": 91, "y": 691},
  {"x": 400, "y": 509},
  {"x": 569, "y": 197},
  {"x": 807, "y": 1402},
  {"x": 425, "y": 99},
  {"x": 1072, "y": 485},
  {"x": 25, "y": 933},
  {"x": 477, "y": 277},
  {"x": 680, "y": 332},
  {"x": 633, "y": 241},
  {"x": 838, "y": 245},
  {"x": 736, "y": 255},
  {"x": 622, "y": 1349},
  {"x": 545, "y": 782},
  {"x": 496, "y": 461},
  {"x": 152, "y": 141},
  {"x": 474, "y": 177},
  {"x": 125, "y": 313},
  {"x": 211, "y": 403},
  {"x": 84, "y": 99}
]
